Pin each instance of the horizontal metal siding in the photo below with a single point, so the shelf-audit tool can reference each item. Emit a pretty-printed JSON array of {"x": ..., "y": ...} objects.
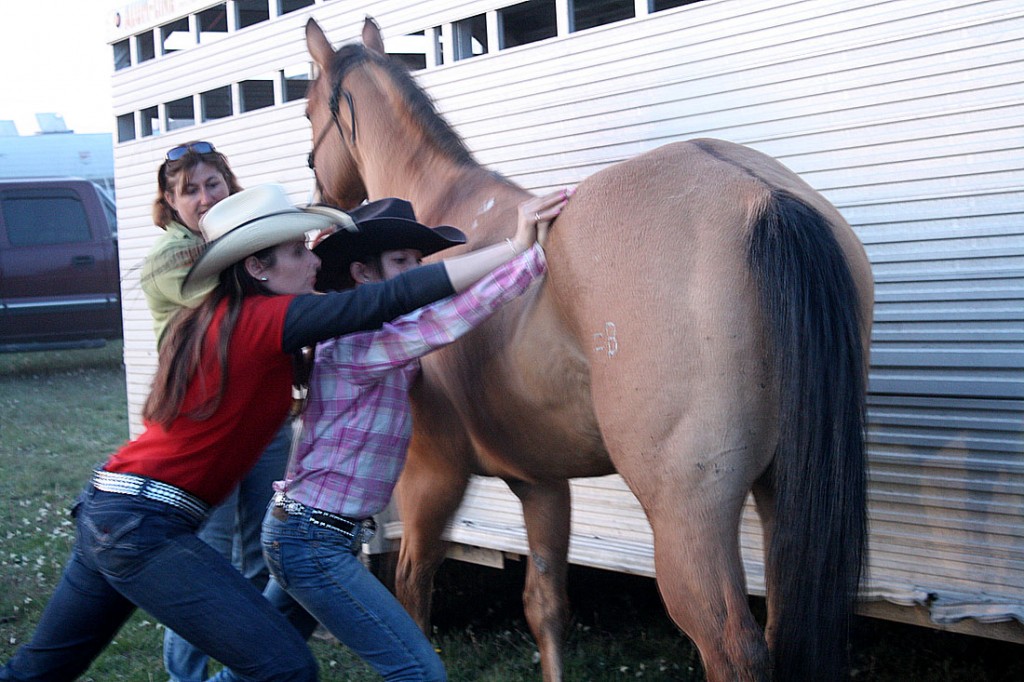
[{"x": 905, "y": 113}]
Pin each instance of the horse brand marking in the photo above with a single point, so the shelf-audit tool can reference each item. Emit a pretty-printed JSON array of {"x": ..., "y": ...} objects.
[
  {"x": 606, "y": 342},
  {"x": 487, "y": 206}
]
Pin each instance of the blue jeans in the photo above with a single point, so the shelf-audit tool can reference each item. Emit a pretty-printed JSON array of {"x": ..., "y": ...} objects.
[
  {"x": 317, "y": 576},
  {"x": 233, "y": 529},
  {"x": 134, "y": 552}
]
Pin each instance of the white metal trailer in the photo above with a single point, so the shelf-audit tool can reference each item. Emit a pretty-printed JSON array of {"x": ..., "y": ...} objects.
[{"x": 907, "y": 114}]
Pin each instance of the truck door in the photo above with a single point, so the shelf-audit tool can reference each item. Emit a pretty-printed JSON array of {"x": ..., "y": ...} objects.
[{"x": 56, "y": 266}]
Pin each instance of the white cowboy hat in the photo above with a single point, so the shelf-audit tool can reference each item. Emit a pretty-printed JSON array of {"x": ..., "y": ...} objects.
[{"x": 250, "y": 221}]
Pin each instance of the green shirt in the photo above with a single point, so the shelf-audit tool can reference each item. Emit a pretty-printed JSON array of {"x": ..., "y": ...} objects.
[{"x": 163, "y": 272}]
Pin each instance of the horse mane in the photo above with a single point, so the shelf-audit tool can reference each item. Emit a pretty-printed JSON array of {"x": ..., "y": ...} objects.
[{"x": 421, "y": 107}]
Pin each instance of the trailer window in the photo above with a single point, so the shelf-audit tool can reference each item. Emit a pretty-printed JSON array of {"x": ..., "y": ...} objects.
[
  {"x": 122, "y": 54},
  {"x": 212, "y": 24},
  {"x": 659, "y": 5},
  {"x": 438, "y": 45},
  {"x": 249, "y": 12},
  {"x": 144, "y": 47},
  {"x": 254, "y": 94},
  {"x": 470, "y": 37},
  {"x": 181, "y": 113},
  {"x": 295, "y": 81},
  {"x": 175, "y": 36},
  {"x": 286, "y": 6},
  {"x": 411, "y": 50},
  {"x": 584, "y": 14},
  {"x": 149, "y": 120},
  {"x": 126, "y": 127},
  {"x": 527, "y": 22},
  {"x": 216, "y": 103}
]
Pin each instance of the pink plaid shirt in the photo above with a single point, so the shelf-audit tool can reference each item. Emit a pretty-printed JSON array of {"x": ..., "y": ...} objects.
[{"x": 357, "y": 423}]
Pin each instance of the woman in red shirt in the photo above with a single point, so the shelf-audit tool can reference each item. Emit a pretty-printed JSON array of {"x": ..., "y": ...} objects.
[{"x": 222, "y": 387}]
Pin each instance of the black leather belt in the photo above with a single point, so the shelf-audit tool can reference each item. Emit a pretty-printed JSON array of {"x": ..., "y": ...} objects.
[
  {"x": 356, "y": 529},
  {"x": 342, "y": 524}
]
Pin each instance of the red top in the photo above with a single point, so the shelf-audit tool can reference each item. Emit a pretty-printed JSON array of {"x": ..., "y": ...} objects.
[{"x": 209, "y": 457}]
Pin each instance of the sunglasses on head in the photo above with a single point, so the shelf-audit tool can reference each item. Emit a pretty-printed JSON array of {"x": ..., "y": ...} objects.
[{"x": 181, "y": 150}]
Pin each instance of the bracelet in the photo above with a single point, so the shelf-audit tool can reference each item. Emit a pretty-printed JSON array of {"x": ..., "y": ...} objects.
[{"x": 511, "y": 245}]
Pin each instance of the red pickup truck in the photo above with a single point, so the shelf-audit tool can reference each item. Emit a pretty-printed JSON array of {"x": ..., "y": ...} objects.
[{"x": 59, "y": 276}]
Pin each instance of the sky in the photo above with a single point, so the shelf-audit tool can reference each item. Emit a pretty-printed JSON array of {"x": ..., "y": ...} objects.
[{"x": 55, "y": 59}]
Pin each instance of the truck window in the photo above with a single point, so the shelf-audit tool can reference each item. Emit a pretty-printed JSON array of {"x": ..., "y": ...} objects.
[
  {"x": 111, "y": 212},
  {"x": 46, "y": 218}
]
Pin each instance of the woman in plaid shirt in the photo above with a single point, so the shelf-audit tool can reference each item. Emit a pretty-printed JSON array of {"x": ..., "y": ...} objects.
[{"x": 356, "y": 428}]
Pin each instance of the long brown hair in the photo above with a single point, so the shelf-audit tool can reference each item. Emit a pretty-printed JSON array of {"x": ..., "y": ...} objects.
[
  {"x": 172, "y": 176},
  {"x": 185, "y": 348}
]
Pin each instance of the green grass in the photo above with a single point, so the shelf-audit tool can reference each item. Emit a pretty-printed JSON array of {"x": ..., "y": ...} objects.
[{"x": 61, "y": 413}]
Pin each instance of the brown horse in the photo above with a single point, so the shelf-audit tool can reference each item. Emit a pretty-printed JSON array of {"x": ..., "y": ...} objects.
[{"x": 741, "y": 303}]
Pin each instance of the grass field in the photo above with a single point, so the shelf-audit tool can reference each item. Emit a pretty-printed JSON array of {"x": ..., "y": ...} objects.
[{"x": 62, "y": 413}]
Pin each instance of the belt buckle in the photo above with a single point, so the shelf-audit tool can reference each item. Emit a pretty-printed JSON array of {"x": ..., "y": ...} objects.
[
  {"x": 290, "y": 506},
  {"x": 367, "y": 529},
  {"x": 362, "y": 531}
]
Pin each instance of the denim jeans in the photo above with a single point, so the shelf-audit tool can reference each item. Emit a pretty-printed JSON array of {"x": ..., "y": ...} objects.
[
  {"x": 316, "y": 575},
  {"x": 134, "y": 552},
  {"x": 233, "y": 529}
]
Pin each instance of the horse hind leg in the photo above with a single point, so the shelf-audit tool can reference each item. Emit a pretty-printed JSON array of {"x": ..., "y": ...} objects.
[
  {"x": 546, "y": 512},
  {"x": 700, "y": 577},
  {"x": 692, "y": 485}
]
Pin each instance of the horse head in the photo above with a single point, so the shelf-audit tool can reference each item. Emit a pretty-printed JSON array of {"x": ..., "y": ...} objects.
[
  {"x": 331, "y": 114},
  {"x": 376, "y": 133}
]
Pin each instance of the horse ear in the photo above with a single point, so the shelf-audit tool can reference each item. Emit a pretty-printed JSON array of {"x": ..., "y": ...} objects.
[
  {"x": 371, "y": 36},
  {"x": 319, "y": 47}
]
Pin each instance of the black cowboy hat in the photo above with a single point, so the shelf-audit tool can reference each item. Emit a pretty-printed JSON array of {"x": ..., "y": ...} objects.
[{"x": 384, "y": 225}]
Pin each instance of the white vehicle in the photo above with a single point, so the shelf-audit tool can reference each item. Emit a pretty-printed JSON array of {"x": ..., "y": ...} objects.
[{"x": 906, "y": 114}]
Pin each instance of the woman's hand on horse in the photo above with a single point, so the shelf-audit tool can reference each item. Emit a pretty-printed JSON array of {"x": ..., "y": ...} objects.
[{"x": 535, "y": 217}]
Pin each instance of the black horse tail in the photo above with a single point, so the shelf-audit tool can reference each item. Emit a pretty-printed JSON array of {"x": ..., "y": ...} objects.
[{"x": 813, "y": 563}]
